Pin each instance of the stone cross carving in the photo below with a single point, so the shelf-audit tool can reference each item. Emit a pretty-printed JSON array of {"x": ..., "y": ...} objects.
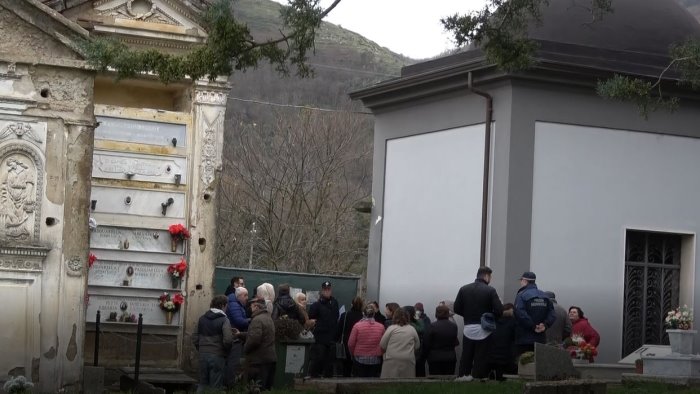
[{"x": 20, "y": 130}]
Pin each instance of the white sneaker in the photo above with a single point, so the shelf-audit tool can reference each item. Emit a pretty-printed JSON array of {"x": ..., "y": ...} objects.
[{"x": 467, "y": 378}]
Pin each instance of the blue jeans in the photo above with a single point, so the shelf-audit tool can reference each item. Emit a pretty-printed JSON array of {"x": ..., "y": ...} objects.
[{"x": 211, "y": 372}]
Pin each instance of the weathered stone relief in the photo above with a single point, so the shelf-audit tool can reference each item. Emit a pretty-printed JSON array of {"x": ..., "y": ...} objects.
[
  {"x": 141, "y": 10},
  {"x": 21, "y": 186},
  {"x": 211, "y": 131},
  {"x": 22, "y": 259},
  {"x": 210, "y": 97},
  {"x": 74, "y": 266}
]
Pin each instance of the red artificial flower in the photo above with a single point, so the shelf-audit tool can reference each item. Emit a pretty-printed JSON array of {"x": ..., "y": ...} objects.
[
  {"x": 178, "y": 299},
  {"x": 178, "y": 268},
  {"x": 91, "y": 260},
  {"x": 179, "y": 231}
]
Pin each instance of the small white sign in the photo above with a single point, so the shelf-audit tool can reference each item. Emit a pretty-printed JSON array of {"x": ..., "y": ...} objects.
[
  {"x": 293, "y": 291},
  {"x": 311, "y": 297},
  {"x": 295, "y": 359}
]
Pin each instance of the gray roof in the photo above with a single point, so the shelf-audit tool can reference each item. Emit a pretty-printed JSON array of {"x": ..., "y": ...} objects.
[{"x": 634, "y": 39}]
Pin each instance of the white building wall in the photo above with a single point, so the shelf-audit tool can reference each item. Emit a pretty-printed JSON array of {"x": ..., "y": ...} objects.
[
  {"x": 589, "y": 186},
  {"x": 432, "y": 217}
]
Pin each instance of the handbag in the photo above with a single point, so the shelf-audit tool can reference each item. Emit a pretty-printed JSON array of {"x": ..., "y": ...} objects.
[
  {"x": 340, "y": 347},
  {"x": 488, "y": 322}
]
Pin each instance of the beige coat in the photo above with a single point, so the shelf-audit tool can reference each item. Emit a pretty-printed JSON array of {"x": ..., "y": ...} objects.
[{"x": 399, "y": 344}]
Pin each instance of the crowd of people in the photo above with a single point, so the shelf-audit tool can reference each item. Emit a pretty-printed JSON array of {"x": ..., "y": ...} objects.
[{"x": 236, "y": 337}]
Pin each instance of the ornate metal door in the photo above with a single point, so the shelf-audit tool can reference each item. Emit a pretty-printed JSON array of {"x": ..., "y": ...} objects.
[{"x": 652, "y": 287}]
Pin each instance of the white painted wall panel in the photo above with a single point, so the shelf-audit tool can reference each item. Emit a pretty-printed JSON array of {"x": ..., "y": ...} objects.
[
  {"x": 432, "y": 217},
  {"x": 590, "y": 185}
]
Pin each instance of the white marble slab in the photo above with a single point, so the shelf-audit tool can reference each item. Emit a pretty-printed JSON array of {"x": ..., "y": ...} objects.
[
  {"x": 139, "y": 167},
  {"x": 148, "y": 306},
  {"x": 137, "y": 202},
  {"x": 140, "y": 131},
  {"x": 134, "y": 256},
  {"x": 133, "y": 239},
  {"x": 130, "y": 274}
]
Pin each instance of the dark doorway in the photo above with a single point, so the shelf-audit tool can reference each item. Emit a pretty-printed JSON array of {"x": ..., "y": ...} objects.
[{"x": 652, "y": 287}]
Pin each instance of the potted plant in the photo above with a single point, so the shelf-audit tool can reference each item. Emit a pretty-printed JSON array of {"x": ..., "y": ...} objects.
[
  {"x": 178, "y": 233},
  {"x": 679, "y": 324},
  {"x": 177, "y": 272},
  {"x": 526, "y": 365},
  {"x": 639, "y": 366},
  {"x": 171, "y": 305}
]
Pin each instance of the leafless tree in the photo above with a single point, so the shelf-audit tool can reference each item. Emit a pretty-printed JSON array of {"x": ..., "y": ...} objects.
[{"x": 289, "y": 189}]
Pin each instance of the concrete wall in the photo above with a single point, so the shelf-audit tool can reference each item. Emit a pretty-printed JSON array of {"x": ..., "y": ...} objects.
[
  {"x": 590, "y": 185},
  {"x": 433, "y": 122},
  {"x": 433, "y": 217}
]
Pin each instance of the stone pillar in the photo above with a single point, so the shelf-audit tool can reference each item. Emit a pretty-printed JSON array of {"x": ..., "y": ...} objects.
[{"x": 208, "y": 113}]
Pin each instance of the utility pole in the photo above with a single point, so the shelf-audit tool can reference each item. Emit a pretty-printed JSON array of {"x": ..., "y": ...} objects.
[{"x": 252, "y": 242}]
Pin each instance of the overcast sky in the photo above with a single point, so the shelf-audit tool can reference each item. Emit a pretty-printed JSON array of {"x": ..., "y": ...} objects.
[{"x": 408, "y": 27}]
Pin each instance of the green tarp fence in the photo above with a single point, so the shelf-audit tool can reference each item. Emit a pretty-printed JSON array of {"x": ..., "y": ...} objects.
[{"x": 345, "y": 288}]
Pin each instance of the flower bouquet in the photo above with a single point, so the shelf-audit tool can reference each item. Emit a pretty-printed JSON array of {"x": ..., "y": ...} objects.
[
  {"x": 177, "y": 272},
  {"x": 91, "y": 260},
  {"x": 170, "y": 305},
  {"x": 579, "y": 349},
  {"x": 178, "y": 233},
  {"x": 680, "y": 318}
]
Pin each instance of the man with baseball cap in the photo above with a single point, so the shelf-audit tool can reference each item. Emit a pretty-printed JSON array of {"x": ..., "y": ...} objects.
[
  {"x": 534, "y": 314},
  {"x": 325, "y": 311}
]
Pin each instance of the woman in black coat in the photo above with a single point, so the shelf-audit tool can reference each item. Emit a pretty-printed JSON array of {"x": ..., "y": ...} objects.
[
  {"x": 502, "y": 357},
  {"x": 439, "y": 343},
  {"x": 345, "y": 323}
]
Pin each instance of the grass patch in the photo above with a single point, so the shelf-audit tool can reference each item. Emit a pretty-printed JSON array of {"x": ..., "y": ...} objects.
[
  {"x": 649, "y": 388},
  {"x": 452, "y": 387}
]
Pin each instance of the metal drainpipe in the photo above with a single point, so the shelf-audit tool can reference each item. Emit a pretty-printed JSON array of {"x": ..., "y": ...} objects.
[{"x": 487, "y": 165}]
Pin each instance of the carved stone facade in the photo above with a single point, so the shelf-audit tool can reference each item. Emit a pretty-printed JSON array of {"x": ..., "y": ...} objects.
[{"x": 45, "y": 116}]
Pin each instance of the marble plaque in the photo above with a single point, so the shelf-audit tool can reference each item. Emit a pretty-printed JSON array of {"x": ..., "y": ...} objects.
[
  {"x": 138, "y": 202},
  {"x": 148, "y": 306},
  {"x": 142, "y": 240},
  {"x": 130, "y": 274},
  {"x": 139, "y": 167},
  {"x": 141, "y": 131}
]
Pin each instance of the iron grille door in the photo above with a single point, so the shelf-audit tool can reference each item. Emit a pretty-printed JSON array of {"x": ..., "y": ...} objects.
[{"x": 652, "y": 287}]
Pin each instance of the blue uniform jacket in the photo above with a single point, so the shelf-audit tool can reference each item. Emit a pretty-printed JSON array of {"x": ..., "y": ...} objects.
[{"x": 532, "y": 307}]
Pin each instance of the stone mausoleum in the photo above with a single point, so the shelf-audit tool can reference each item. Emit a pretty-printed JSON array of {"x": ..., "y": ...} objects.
[
  {"x": 91, "y": 166},
  {"x": 601, "y": 203}
]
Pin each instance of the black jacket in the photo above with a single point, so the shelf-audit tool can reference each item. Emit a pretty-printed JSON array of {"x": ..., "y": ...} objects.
[
  {"x": 325, "y": 311},
  {"x": 284, "y": 305},
  {"x": 213, "y": 334},
  {"x": 440, "y": 341},
  {"x": 475, "y": 299},
  {"x": 379, "y": 318},
  {"x": 347, "y": 322},
  {"x": 503, "y": 341}
]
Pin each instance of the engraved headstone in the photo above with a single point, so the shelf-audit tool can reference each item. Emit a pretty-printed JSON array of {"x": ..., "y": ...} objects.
[
  {"x": 552, "y": 363},
  {"x": 138, "y": 202},
  {"x": 116, "y": 273},
  {"x": 139, "y": 167},
  {"x": 142, "y": 240},
  {"x": 148, "y": 306},
  {"x": 141, "y": 131}
]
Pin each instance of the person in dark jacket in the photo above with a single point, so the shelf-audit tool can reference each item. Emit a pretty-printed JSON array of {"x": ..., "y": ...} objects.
[
  {"x": 534, "y": 314},
  {"x": 259, "y": 348},
  {"x": 346, "y": 323},
  {"x": 420, "y": 330},
  {"x": 322, "y": 353},
  {"x": 213, "y": 339},
  {"x": 284, "y": 305},
  {"x": 389, "y": 311},
  {"x": 501, "y": 357},
  {"x": 237, "y": 316},
  {"x": 236, "y": 282},
  {"x": 420, "y": 314},
  {"x": 439, "y": 343},
  {"x": 473, "y": 301},
  {"x": 561, "y": 329},
  {"x": 378, "y": 317}
]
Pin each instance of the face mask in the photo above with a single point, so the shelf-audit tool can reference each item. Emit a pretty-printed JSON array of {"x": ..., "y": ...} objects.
[{"x": 417, "y": 316}]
